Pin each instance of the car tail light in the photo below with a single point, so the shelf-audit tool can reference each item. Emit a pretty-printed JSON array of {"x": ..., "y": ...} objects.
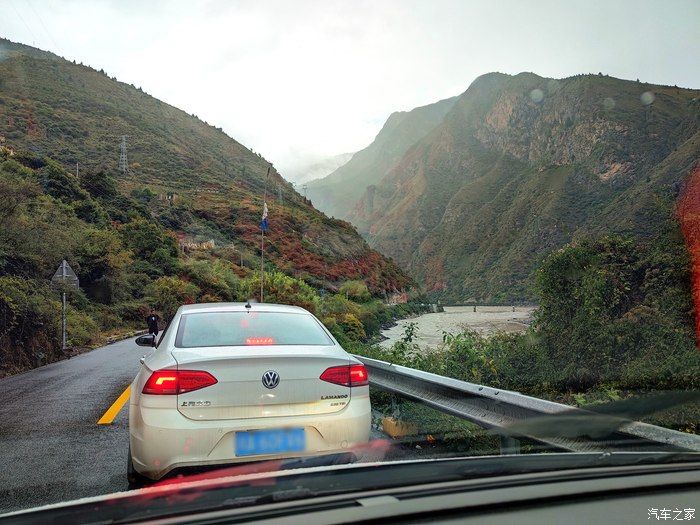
[
  {"x": 172, "y": 382},
  {"x": 351, "y": 375}
]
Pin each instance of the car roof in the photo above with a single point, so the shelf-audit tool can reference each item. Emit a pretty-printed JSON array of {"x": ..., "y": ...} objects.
[{"x": 240, "y": 307}]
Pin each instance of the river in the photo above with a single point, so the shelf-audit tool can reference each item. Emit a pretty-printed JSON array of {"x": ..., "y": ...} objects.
[{"x": 486, "y": 320}]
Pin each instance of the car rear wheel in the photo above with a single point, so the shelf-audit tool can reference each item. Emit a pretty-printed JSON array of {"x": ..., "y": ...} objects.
[{"x": 135, "y": 479}]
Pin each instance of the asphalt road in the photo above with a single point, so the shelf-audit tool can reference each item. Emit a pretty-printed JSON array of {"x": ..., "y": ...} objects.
[{"x": 52, "y": 448}]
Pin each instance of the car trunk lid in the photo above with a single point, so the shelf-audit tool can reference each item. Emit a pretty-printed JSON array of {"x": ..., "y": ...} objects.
[{"x": 291, "y": 387}]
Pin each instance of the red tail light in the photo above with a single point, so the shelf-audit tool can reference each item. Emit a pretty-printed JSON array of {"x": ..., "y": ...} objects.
[
  {"x": 351, "y": 375},
  {"x": 172, "y": 382}
]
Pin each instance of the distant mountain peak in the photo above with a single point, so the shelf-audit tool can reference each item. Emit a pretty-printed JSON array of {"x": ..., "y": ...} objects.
[{"x": 337, "y": 193}]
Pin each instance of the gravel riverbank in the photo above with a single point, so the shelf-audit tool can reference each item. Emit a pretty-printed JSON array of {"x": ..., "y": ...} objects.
[{"x": 486, "y": 320}]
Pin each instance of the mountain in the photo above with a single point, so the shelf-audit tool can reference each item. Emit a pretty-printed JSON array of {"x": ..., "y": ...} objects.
[
  {"x": 521, "y": 165},
  {"x": 198, "y": 183},
  {"x": 336, "y": 193}
]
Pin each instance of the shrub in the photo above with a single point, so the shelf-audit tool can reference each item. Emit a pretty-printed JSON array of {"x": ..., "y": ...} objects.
[
  {"x": 151, "y": 243},
  {"x": 81, "y": 329},
  {"x": 167, "y": 294},
  {"x": 215, "y": 278},
  {"x": 355, "y": 290},
  {"x": 30, "y": 313},
  {"x": 352, "y": 327},
  {"x": 133, "y": 312},
  {"x": 280, "y": 288}
]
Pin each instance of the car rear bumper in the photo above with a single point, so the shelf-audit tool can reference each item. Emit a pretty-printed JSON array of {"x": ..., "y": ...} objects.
[{"x": 162, "y": 439}]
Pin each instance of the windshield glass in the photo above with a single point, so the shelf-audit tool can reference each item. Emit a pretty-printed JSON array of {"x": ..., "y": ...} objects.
[
  {"x": 467, "y": 230},
  {"x": 249, "y": 329}
]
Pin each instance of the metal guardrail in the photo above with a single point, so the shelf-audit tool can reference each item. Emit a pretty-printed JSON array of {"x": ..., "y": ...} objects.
[{"x": 513, "y": 415}]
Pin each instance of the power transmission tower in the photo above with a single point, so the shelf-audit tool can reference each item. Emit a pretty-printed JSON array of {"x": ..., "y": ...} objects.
[
  {"x": 123, "y": 162},
  {"x": 304, "y": 188}
]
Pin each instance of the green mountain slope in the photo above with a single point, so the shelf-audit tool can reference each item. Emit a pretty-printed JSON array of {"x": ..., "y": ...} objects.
[
  {"x": 337, "y": 193},
  {"x": 522, "y": 165},
  {"x": 194, "y": 180}
]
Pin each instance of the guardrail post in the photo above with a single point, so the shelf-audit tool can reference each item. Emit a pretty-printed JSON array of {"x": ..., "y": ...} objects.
[{"x": 509, "y": 445}]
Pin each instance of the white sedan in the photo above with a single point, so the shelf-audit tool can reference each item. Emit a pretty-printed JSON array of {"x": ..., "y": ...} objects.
[{"x": 233, "y": 382}]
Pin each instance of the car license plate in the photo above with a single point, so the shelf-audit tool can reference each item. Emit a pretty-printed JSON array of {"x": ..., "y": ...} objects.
[{"x": 273, "y": 441}]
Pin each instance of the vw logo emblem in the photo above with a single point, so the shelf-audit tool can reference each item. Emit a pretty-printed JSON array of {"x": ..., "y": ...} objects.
[{"x": 270, "y": 379}]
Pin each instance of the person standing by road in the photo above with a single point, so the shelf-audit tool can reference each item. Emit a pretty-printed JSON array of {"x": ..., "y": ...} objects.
[{"x": 152, "y": 322}]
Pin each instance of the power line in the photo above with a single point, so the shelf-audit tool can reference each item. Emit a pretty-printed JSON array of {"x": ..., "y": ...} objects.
[
  {"x": 23, "y": 22},
  {"x": 41, "y": 21}
]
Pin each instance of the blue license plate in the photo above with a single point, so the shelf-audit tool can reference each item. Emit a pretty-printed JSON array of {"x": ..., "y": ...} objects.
[{"x": 277, "y": 441}]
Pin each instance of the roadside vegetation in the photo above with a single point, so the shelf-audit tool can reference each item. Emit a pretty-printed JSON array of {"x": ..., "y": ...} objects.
[
  {"x": 615, "y": 320},
  {"x": 128, "y": 261}
]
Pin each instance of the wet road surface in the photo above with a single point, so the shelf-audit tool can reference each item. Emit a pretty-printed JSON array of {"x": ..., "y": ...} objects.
[{"x": 52, "y": 447}]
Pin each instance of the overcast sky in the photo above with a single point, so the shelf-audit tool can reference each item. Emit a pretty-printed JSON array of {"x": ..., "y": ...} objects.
[{"x": 299, "y": 80}]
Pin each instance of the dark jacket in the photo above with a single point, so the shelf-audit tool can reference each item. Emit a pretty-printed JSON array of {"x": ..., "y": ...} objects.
[{"x": 152, "y": 322}]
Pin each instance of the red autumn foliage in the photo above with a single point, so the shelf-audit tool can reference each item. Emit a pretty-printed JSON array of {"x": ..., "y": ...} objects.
[{"x": 284, "y": 246}]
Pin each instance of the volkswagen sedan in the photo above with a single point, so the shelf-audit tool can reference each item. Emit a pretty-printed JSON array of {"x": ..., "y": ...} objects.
[{"x": 231, "y": 382}]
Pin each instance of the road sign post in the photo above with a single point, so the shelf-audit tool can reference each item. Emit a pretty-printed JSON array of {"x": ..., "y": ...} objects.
[
  {"x": 63, "y": 323},
  {"x": 64, "y": 278}
]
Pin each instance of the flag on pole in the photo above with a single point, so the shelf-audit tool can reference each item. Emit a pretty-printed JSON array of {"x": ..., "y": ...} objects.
[{"x": 263, "y": 222}]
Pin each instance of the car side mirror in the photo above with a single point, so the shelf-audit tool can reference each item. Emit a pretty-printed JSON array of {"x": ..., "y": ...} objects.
[{"x": 146, "y": 340}]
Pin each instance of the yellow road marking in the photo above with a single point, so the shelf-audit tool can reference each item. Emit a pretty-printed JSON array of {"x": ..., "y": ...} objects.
[{"x": 112, "y": 411}]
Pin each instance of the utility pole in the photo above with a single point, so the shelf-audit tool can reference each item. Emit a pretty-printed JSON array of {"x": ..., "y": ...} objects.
[
  {"x": 123, "y": 162},
  {"x": 63, "y": 324},
  {"x": 304, "y": 188},
  {"x": 263, "y": 227},
  {"x": 262, "y": 264}
]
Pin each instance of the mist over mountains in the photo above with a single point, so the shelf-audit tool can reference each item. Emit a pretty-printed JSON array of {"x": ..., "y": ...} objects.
[
  {"x": 316, "y": 168},
  {"x": 337, "y": 193}
]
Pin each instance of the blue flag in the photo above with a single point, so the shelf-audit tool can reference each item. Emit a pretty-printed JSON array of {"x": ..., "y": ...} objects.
[{"x": 263, "y": 222}]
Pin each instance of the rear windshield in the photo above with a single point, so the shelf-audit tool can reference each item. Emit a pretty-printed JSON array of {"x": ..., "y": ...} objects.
[{"x": 249, "y": 329}]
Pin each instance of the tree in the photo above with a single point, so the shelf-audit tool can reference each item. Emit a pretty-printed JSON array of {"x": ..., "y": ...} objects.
[
  {"x": 100, "y": 257},
  {"x": 150, "y": 242}
]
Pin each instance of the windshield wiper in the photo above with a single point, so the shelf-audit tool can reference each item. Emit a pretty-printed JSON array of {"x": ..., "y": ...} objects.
[{"x": 613, "y": 426}]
